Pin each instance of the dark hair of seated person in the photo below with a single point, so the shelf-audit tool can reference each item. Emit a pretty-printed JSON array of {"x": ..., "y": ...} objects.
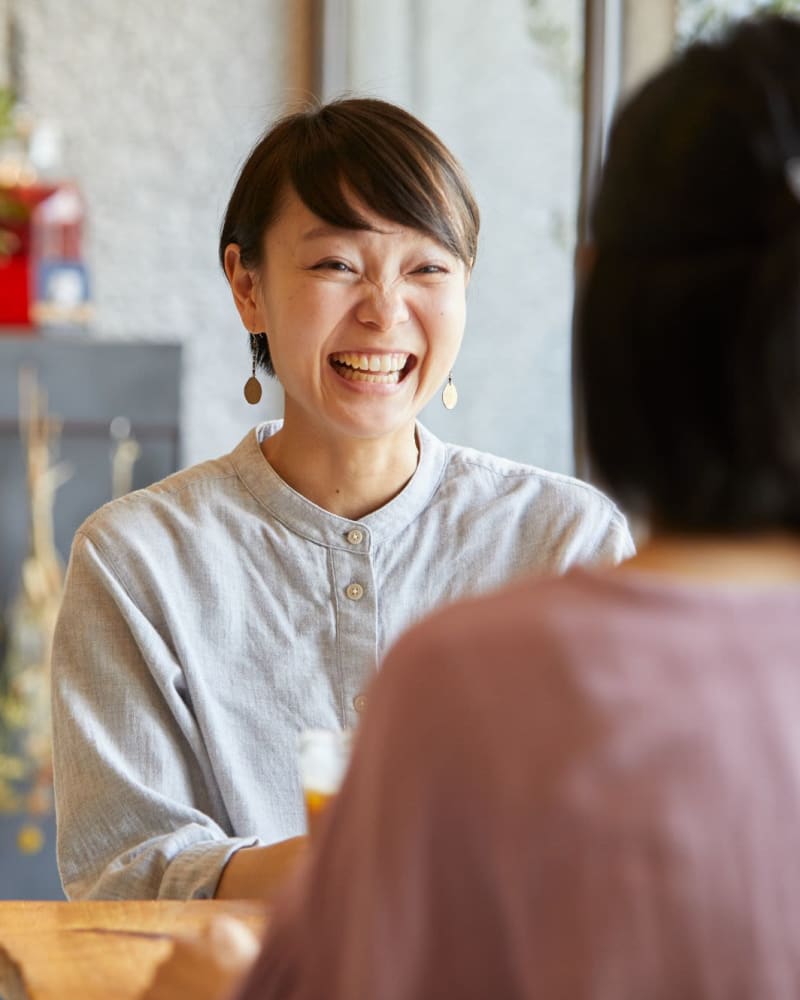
[
  {"x": 688, "y": 323},
  {"x": 351, "y": 149}
]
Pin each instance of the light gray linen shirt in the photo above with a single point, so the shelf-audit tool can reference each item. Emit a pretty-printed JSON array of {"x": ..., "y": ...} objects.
[{"x": 210, "y": 618}]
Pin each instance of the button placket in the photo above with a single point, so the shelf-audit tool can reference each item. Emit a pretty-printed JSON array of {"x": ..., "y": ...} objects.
[{"x": 356, "y": 620}]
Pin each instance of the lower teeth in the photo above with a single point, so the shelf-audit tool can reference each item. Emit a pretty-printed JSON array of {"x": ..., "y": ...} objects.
[{"x": 356, "y": 375}]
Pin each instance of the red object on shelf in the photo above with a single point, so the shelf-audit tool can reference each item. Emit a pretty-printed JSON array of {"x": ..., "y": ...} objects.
[
  {"x": 43, "y": 279},
  {"x": 17, "y": 266},
  {"x": 14, "y": 298}
]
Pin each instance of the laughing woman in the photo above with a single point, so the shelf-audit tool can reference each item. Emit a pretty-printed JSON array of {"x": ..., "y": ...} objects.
[{"x": 209, "y": 619}]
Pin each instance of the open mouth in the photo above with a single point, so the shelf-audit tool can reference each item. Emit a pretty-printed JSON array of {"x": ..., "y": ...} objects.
[{"x": 381, "y": 368}]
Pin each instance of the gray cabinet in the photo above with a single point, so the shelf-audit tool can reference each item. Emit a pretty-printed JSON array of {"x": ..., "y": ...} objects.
[{"x": 88, "y": 384}]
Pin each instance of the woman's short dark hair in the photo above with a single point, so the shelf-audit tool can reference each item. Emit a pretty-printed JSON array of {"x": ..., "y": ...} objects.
[
  {"x": 688, "y": 324},
  {"x": 369, "y": 148}
]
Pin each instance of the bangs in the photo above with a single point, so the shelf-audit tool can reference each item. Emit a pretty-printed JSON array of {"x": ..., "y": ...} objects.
[{"x": 394, "y": 179}]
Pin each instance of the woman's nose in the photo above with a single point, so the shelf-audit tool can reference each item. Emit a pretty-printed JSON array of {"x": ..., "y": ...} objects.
[{"x": 382, "y": 308}]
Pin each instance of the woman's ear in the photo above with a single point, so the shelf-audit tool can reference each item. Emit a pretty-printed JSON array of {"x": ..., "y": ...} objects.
[{"x": 244, "y": 287}]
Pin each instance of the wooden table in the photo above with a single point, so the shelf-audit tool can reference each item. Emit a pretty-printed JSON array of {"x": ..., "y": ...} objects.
[{"x": 97, "y": 951}]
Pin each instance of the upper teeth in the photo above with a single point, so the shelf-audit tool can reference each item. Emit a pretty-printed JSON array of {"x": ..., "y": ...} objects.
[{"x": 371, "y": 362}]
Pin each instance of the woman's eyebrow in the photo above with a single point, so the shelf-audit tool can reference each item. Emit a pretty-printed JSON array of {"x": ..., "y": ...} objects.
[
  {"x": 317, "y": 232},
  {"x": 327, "y": 229}
]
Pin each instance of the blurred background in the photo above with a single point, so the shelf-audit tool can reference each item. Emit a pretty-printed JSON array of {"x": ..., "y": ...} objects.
[{"x": 122, "y": 127}]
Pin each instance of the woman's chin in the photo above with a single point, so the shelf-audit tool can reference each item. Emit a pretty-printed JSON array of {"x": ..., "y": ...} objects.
[{"x": 374, "y": 422}]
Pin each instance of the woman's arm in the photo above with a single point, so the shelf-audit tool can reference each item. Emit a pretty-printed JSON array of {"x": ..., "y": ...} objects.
[
  {"x": 138, "y": 811},
  {"x": 258, "y": 872}
]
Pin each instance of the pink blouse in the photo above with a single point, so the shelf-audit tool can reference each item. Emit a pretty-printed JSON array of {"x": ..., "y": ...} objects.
[{"x": 584, "y": 788}]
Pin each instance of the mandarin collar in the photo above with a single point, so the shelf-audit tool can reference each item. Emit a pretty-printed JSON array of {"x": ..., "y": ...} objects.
[{"x": 305, "y": 518}]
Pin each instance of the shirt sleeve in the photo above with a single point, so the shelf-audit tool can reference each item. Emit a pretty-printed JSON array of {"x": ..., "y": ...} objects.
[
  {"x": 617, "y": 544},
  {"x": 133, "y": 785}
]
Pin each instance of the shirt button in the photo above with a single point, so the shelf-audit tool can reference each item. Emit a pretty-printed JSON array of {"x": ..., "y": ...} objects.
[
  {"x": 360, "y": 702},
  {"x": 355, "y": 536},
  {"x": 355, "y": 591}
]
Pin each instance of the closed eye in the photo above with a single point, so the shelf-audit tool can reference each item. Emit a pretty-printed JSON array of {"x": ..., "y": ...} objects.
[
  {"x": 333, "y": 265},
  {"x": 431, "y": 269}
]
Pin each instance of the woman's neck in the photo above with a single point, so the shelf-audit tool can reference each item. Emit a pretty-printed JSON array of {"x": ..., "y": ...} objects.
[
  {"x": 350, "y": 477},
  {"x": 751, "y": 560}
]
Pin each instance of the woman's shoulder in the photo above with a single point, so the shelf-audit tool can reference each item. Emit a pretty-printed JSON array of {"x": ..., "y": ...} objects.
[
  {"x": 168, "y": 500},
  {"x": 202, "y": 490},
  {"x": 472, "y": 463},
  {"x": 553, "y": 496}
]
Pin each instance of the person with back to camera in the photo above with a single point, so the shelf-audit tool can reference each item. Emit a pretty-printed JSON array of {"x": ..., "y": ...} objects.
[
  {"x": 588, "y": 787},
  {"x": 209, "y": 619}
]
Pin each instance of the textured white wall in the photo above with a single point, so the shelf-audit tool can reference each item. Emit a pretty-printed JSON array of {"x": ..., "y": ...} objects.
[
  {"x": 491, "y": 79},
  {"x": 160, "y": 102},
  {"x": 494, "y": 94}
]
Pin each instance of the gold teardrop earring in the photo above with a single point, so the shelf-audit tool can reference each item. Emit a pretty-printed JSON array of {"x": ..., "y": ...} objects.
[
  {"x": 252, "y": 387},
  {"x": 450, "y": 394}
]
